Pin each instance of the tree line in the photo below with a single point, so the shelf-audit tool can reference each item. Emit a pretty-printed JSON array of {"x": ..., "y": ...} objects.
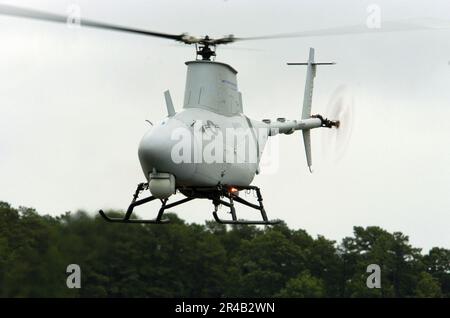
[{"x": 208, "y": 260}]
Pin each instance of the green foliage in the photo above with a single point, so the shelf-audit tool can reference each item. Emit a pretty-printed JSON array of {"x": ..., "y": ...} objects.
[
  {"x": 211, "y": 260},
  {"x": 428, "y": 286},
  {"x": 400, "y": 262},
  {"x": 303, "y": 286},
  {"x": 437, "y": 263}
]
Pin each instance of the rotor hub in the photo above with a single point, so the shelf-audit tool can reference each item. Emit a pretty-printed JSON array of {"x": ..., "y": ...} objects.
[
  {"x": 205, "y": 49},
  {"x": 327, "y": 122}
]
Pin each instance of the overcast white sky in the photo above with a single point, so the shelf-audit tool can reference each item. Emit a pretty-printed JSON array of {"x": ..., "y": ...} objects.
[{"x": 73, "y": 105}]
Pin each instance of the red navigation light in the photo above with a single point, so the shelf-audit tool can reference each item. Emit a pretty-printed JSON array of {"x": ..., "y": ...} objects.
[{"x": 233, "y": 190}]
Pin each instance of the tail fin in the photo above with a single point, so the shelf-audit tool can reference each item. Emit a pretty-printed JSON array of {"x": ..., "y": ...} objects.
[
  {"x": 307, "y": 104},
  {"x": 307, "y": 101},
  {"x": 169, "y": 104},
  {"x": 309, "y": 85},
  {"x": 307, "y": 143}
]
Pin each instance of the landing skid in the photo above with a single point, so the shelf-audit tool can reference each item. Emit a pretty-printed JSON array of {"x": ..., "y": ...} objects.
[
  {"x": 215, "y": 194},
  {"x": 232, "y": 197},
  {"x": 134, "y": 203}
]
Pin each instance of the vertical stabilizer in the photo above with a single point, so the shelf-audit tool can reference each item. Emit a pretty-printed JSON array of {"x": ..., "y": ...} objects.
[
  {"x": 307, "y": 104},
  {"x": 307, "y": 100},
  {"x": 309, "y": 85},
  {"x": 307, "y": 142}
]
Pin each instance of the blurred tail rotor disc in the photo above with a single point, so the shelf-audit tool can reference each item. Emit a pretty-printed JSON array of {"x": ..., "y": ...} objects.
[{"x": 340, "y": 107}]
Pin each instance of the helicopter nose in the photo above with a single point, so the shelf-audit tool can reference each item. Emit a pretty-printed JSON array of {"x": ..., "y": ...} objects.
[{"x": 155, "y": 151}]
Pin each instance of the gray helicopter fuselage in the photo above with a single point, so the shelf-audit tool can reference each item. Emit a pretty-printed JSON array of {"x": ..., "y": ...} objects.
[
  {"x": 195, "y": 131},
  {"x": 212, "y": 109}
]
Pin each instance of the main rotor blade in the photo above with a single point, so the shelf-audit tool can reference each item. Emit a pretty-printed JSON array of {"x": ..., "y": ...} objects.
[
  {"x": 385, "y": 26},
  {"x": 44, "y": 16}
]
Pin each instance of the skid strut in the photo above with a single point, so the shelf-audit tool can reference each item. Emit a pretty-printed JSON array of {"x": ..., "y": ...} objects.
[
  {"x": 135, "y": 203},
  {"x": 232, "y": 198}
]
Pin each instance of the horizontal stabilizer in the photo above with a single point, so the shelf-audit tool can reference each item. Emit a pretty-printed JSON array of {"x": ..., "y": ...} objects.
[{"x": 315, "y": 63}]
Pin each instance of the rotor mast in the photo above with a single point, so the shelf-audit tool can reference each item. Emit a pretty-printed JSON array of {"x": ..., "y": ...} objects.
[{"x": 205, "y": 50}]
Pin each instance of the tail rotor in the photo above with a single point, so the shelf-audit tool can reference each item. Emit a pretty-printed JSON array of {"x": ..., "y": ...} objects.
[{"x": 341, "y": 109}]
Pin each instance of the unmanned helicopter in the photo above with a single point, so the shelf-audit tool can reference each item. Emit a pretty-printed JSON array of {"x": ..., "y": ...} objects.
[{"x": 171, "y": 151}]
